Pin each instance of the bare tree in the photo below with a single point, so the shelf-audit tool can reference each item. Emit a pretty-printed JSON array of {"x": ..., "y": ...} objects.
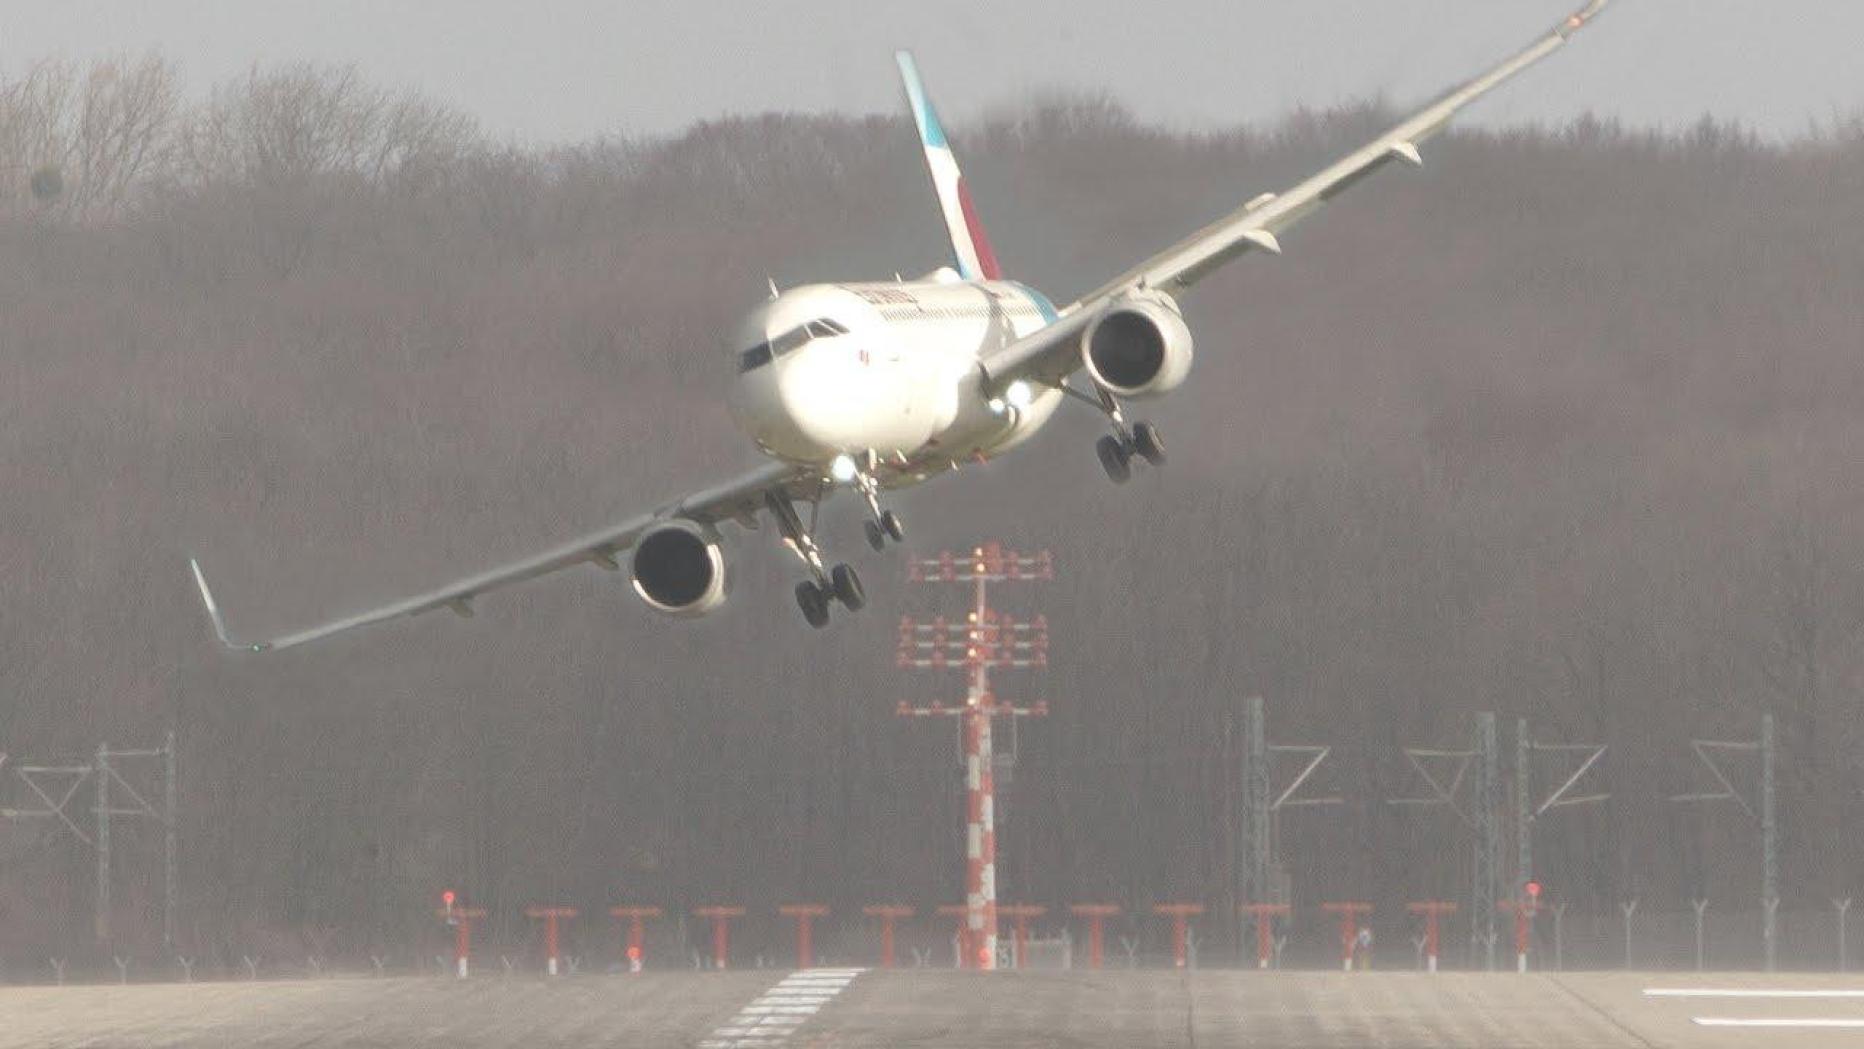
[
  {"x": 302, "y": 121},
  {"x": 84, "y": 144}
]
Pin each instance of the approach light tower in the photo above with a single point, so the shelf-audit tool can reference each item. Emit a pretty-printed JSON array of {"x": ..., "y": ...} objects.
[{"x": 983, "y": 639}]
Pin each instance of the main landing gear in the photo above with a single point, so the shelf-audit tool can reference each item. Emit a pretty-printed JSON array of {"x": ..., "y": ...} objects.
[
  {"x": 1117, "y": 449},
  {"x": 840, "y": 583}
]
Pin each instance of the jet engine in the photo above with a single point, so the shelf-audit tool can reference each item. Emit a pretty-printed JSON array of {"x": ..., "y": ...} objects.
[
  {"x": 677, "y": 569},
  {"x": 1139, "y": 347}
]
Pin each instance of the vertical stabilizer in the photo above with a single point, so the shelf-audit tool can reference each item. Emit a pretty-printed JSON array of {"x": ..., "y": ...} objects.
[{"x": 970, "y": 247}]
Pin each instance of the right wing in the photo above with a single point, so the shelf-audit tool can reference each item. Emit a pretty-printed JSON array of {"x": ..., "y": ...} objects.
[
  {"x": 739, "y": 499},
  {"x": 1049, "y": 355}
]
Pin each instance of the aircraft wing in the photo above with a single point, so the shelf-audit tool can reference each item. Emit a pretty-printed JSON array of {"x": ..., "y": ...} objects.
[
  {"x": 740, "y": 499},
  {"x": 1048, "y": 356}
]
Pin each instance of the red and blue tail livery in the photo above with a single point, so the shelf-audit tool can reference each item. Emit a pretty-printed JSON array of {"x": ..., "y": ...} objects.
[{"x": 970, "y": 247}]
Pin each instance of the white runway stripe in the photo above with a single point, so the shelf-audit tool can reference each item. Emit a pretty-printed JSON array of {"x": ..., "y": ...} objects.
[
  {"x": 1750, "y": 992},
  {"x": 781, "y": 1010},
  {"x": 1729, "y": 1021}
]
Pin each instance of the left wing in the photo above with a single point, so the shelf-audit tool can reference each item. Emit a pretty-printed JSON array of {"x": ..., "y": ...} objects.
[
  {"x": 1048, "y": 356},
  {"x": 738, "y": 499}
]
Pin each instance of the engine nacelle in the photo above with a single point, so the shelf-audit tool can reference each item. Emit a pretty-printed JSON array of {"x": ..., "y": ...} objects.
[
  {"x": 678, "y": 569},
  {"x": 1140, "y": 347}
]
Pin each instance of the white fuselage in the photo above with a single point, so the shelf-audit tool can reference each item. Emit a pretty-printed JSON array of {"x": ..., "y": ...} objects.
[{"x": 892, "y": 368}]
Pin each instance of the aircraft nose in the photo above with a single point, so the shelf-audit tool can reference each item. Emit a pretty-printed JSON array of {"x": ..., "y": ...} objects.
[{"x": 809, "y": 403}]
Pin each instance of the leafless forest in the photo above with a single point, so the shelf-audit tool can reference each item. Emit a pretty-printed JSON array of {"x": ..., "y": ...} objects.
[{"x": 1567, "y": 425}]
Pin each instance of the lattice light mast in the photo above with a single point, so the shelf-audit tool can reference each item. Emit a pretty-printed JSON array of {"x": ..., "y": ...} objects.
[{"x": 984, "y": 639}]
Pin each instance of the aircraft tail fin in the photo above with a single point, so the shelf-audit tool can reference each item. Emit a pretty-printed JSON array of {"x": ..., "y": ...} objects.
[{"x": 970, "y": 247}]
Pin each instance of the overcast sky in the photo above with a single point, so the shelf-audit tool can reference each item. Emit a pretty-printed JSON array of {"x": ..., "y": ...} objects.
[{"x": 556, "y": 70}]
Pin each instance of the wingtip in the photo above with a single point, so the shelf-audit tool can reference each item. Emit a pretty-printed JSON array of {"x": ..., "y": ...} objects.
[
  {"x": 1578, "y": 19},
  {"x": 213, "y": 612}
]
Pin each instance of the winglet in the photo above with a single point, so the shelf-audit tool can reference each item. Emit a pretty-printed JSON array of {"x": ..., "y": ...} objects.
[
  {"x": 970, "y": 247},
  {"x": 213, "y": 613}
]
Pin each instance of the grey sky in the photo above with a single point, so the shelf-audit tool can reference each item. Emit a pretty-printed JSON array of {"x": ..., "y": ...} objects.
[{"x": 567, "y": 69}]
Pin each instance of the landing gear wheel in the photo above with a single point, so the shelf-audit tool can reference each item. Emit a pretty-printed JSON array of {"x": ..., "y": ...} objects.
[
  {"x": 890, "y": 524},
  {"x": 814, "y": 603},
  {"x": 847, "y": 588},
  {"x": 1114, "y": 458},
  {"x": 875, "y": 537},
  {"x": 1147, "y": 443}
]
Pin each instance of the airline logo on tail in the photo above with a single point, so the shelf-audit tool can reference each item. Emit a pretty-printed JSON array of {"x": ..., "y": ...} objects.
[{"x": 970, "y": 247}]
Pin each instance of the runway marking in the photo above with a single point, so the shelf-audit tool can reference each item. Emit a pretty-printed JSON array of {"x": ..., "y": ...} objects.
[
  {"x": 780, "y": 1011},
  {"x": 1729, "y": 1021},
  {"x": 1749, "y": 992}
]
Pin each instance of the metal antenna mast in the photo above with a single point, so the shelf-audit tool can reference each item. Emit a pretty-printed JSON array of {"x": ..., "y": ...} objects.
[
  {"x": 1486, "y": 882},
  {"x": 1263, "y": 802},
  {"x": 168, "y": 841},
  {"x": 1257, "y": 854},
  {"x": 1528, "y": 810},
  {"x": 55, "y": 788},
  {"x": 1524, "y": 811},
  {"x": 1705, "y": 750},
  {"x": 985, "y": 639},
  {"x": 1444, "y": 772},
  {"x": 101, "y": 771}
]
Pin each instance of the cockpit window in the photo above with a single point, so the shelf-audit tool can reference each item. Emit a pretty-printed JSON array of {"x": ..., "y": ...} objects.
[
  {"x": 764, "y": 352},
  {"x": 755, "y": 357},
  {"x": 789, "y": 340}
]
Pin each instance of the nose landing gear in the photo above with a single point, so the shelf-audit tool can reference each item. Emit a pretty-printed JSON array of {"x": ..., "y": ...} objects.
[{"x": 881, "y": 525}]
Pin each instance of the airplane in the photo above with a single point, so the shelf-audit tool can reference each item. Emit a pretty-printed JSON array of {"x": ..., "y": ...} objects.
[{"x": 876, "y": 386}]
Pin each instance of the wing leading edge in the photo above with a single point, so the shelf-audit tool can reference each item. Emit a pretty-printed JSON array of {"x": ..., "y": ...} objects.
[
  {"x": 738, "y": 499},
  {"x": 1048, "y": 356}
]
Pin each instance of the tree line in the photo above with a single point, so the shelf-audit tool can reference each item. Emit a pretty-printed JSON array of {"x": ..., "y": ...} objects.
[{"x": 1563, "y": 426}]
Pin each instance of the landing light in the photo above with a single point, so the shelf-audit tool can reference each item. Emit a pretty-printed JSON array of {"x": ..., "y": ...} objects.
[
  {"x": 1019, "y": 394},
  {"x": 842, "y": 468},
  {"x": 997, "y": 407}
]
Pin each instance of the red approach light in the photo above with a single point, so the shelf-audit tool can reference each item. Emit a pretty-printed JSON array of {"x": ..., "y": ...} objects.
[
  {"x": 1533, "y": 889},
  {"x": 634, "y": 954},
  {"x": 447, "y": 898}
]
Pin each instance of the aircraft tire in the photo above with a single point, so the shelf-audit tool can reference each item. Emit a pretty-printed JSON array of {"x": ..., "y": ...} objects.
[
  {"x": 1114, "y": 459},
  {"x": 847, "y": 587},
  {"x": 1147, "y": 443},
  {"x": 875, "y": 537},
  {"x": 890, "y": 523},
  {"x": 813, "y": 602}
]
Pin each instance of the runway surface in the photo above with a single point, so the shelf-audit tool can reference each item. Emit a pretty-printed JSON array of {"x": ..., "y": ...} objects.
[{"x": 852, "y": 1009}]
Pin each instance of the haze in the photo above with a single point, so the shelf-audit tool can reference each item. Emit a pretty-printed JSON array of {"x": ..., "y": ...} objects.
[
  {"x": 570, "y": 69},
  {"x": 1562, "y": 426}
]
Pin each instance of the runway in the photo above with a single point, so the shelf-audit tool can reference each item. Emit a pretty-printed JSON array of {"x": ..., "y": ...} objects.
[{"x": 856, "y": 1009}]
